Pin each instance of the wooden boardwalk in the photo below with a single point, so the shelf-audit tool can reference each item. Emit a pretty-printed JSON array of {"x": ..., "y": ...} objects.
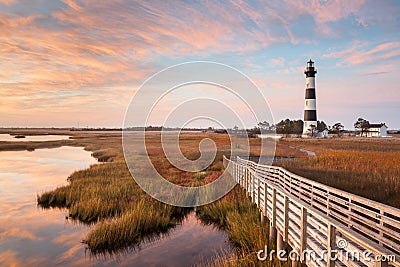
[{"x": 318, "y": 220}]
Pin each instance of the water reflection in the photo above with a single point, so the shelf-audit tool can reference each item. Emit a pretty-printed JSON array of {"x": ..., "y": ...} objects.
[
  {"x": 30, "y": 236},
  {"x": 28, "y": 138},
  {"x": 188, "y": 244}
]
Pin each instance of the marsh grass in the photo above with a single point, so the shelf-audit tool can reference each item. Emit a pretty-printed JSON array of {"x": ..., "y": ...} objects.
[
  {"x": 106, "y": 195},
  {"x": 122, "y": 215},
  {"x": 142, "y": 222},
  {"x": 366, "y": 167},
  {"x": 240, "y": 218}
]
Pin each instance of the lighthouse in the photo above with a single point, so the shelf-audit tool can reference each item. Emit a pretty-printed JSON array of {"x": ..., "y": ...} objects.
[{"x": 310, "y": 109}]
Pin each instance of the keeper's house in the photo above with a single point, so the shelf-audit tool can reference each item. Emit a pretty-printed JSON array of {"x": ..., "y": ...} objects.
[{"x": 377, "y": 130}]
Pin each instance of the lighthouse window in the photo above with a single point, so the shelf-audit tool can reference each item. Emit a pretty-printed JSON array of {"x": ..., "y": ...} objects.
[{"x": 307, "y": 103}]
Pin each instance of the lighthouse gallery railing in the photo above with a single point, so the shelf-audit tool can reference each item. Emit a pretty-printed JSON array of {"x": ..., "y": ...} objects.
[{"x": 312, "y": 216}]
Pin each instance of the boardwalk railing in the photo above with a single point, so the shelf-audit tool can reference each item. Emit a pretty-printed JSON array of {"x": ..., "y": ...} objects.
[{"x": 331, "y": 226}]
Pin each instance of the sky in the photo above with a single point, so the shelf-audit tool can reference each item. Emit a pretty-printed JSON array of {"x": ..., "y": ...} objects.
[{"x": 77, "y": 63}]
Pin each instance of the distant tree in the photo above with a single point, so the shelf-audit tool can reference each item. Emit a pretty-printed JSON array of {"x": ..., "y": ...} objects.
[
  {"x": 298, "y": 127},
  {"x": 312, "y": 130},
  {"x": 321, "y": 126},
  {"x": 361, "y": 125},
  {"x": 265, "y": 127},
  {"x": 284, "y": 127},
  {"x": 288, "y": 126},
  {"x": 337, "y": 128}
]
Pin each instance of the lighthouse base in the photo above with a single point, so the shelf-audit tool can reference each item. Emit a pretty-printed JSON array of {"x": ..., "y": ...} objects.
[{"x": 310, "y": 129}]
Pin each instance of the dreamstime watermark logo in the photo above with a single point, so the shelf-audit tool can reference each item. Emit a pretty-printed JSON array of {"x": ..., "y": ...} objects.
[
  {"x": 181, "y": 96},
  {"x": 342, "y": 252}
]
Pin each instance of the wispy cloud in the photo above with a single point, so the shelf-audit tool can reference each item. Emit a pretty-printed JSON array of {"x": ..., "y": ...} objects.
[
  {"x": 77, "y": 52},
  {"x": 376, "y": 73},
  {"x": 7, "y": 2},
  {"x": 358, "y": 53}
]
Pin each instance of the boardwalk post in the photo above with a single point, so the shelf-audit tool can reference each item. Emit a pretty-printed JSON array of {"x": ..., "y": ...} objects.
[
  {"x": 246, "y": 187},
  {"x": 232, "y": 170},
  {"x": 272, "y": 228},
  {"x": 254, "y": 190},
  {"x": 324, "y": 211},
  {"x": 248, "y": 179},
  {"x": 258, "y": 193},
  {"x": 265, "y": 198},
  {"x": 286, "y": 219},
  {"x": 331, "y": 245},
  {"x": 349, "y": 215},
  {"x": 283, "y": 237},
  {"x": 381, "y": 264},
  {"x": 280, "y": 244},
  {"x": 382, "y": 213},
  {"x": 264, "y": 210},
  {"x": 327, "y": 204},
  {"x": 263, "y": 218},
  {"x": 241, "y": 171},
  {"x": 303, "y": 230}
]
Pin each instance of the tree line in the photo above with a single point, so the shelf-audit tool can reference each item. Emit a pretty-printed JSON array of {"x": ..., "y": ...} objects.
[{"x": 289, "y": 126}]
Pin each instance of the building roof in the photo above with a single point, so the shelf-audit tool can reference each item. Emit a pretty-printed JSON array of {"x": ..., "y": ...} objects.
[{"x": 376, "y": 125}]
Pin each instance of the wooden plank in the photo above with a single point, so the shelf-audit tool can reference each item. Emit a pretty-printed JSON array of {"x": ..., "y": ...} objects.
[
  {"x": 385, "y": 241},
  {"x": 342, "y": 210},
  {"x": 372, "y": 224},
  {"x": 265, "y": 197},
  {"x": 294, "y": 225},
  {"x": 303, "y": 229},
  {"x": 273, "y": 219},
  {"x": 315, "y": 246},
  {"x": 258, "y": 193},
  {"x": 377, "y": 205},
  {"x": 338, "y": 216},
  {"x": 293, "y": 242},
  {"x": 382, "y": 218},
  {"x": 294, "y": 210},
  {"x": 317, "y": 224},
  {"x": 283, "y": 183},
  {"x": 286, "y": 219},
  {"x": 319, "y": 238},
  {"x": 331, "y": 245}
]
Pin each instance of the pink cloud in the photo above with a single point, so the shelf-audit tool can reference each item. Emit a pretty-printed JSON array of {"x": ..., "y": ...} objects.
[
  {"x": 74, "y": 56},
  {"x": 357, "y": 54},
  {"x": 7, "y": 2}
]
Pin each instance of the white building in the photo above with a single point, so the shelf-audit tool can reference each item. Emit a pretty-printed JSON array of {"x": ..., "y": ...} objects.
[
  {"x": 324, "y": 134},
  {"x": 377, "y": 130}
]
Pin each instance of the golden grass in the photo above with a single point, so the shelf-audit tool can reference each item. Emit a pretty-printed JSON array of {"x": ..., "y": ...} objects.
[
  {"x": 105, "y": 194},
  {"x": 366, "y": 167},
  {"x": 141, "y": 222},
  {"x": 240, "y": 218}
]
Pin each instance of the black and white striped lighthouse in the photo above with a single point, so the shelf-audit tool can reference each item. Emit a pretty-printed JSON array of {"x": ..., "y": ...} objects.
[{"x": 310, "y": 109}]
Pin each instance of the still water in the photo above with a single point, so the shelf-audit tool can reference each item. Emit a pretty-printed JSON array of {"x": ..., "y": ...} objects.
[
  {"x": 31, "y": 236},
  {"x": 27, "y": 138}
]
